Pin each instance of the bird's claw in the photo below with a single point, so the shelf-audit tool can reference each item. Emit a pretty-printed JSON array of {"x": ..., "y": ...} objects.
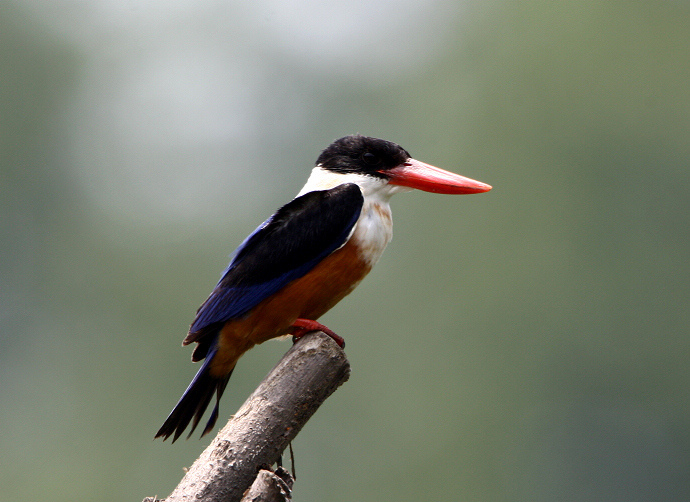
[{"x": 304, "y": 326}]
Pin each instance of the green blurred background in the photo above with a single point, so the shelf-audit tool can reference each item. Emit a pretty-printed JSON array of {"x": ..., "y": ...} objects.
[{"x": 529, "y": 344}]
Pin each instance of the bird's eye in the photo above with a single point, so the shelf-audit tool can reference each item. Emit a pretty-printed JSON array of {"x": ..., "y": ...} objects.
[{"x": 371, "y": 159}]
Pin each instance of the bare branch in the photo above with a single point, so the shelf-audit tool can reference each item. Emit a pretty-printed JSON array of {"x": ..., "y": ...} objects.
[
  {"x": 266, "y": 423},
  {"x": 270, "y": 487}
]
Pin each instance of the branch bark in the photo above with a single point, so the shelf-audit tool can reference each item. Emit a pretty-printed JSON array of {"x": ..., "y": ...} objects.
[
  {"x": 270, "y": 487},
  {"x": 269, "y": 419}
]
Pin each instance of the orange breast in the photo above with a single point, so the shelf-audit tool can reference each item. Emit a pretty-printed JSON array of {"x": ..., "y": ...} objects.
[{"x": 308, "y": 297}]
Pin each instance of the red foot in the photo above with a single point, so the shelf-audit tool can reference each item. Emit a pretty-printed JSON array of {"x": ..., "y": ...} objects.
[{"x": 304, "y": 326}]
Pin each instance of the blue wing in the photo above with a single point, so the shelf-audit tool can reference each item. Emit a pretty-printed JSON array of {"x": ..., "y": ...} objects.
[{"x": 285, "y": 247}]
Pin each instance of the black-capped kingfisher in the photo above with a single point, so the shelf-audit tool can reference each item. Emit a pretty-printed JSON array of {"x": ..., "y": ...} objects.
[{"x": 303, "y": 260}]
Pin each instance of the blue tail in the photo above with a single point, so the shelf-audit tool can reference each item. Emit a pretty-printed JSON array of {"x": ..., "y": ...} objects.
[{"x": 195, "y": 400}]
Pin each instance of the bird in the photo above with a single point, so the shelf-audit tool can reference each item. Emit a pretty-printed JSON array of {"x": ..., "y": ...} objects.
[{"x": 301, "y": 261}]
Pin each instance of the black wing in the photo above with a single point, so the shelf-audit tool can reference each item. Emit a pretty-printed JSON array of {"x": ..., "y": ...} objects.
[{"x": 285, "y": 247}]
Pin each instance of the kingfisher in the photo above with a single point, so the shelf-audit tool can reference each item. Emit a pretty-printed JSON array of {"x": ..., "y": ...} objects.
[{"x": 301, "y": 261}]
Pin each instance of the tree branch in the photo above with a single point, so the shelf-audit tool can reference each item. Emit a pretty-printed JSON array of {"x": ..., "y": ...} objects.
[
  {"x": 270, "y": 487},
  {"x": 269, "y": 419}
]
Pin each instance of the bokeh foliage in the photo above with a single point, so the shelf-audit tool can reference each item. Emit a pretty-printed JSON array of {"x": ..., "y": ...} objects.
[{"x": 526, "y": 344}]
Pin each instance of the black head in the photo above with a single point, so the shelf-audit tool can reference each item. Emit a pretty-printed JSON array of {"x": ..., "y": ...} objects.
[{"x": 362, "y": 155}]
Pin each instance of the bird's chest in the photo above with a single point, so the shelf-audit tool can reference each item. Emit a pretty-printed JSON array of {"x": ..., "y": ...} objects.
[{"x": 373, "y": 231}]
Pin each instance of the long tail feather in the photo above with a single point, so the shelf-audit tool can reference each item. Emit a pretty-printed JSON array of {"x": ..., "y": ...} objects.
[{"x": 194, "y": 402}]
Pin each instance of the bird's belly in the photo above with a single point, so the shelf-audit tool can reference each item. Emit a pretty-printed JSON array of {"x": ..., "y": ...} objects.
[{"x": 313, "y": 294}]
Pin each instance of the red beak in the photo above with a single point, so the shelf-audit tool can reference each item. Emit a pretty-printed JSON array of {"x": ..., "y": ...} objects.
[{"x": 416, "y": 174}]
